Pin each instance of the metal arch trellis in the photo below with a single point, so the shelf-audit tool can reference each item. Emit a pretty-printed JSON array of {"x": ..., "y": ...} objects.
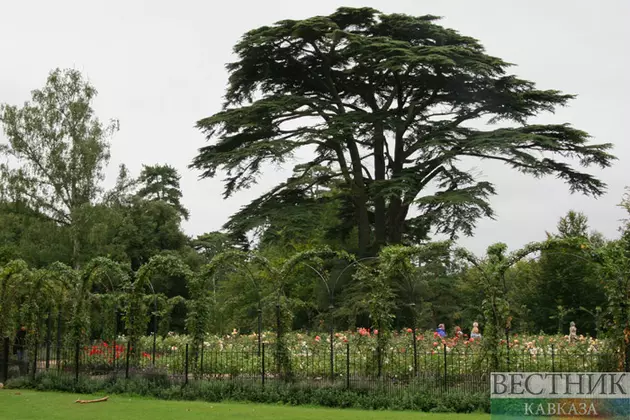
[
  {"x": 548, "y": 248},
  {"x": 239, "y": 260},
  {"x": 167, "y": 264}
]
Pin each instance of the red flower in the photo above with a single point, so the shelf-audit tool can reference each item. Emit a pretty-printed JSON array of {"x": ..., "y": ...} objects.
[
  {"x": 317, "y": 338},
  {"x": 95, "y": 350},
  {"x": 409, "y": 330},
  {"x": 146, "y": 355}
]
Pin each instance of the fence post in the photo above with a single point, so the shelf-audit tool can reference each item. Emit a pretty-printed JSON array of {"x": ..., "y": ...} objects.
[
  {"x": 186, "y": 367},
  {"x": 263, "y": 365},
  {"x": 35, "y": 357},
  {"x": 415, "y": 352},
  {"x": 114, "y": 360},
  {"x": 155, "y": 328},
  {"x": 332, "y": 349},
  {"x": 278, "y": 338},
  {"x": 507, "y": 343},
  {"x": 379, "y": 359},
  {"x": 77, "y": 349},
  {"x": 413, "y": 337},
  {"x": 445, "y": 367},
  {"x": 59, "y": 340},
  {"x": 259, "y": 328},
  {"x": 201, "y": 361},
  {"x": 5, "y": 359},
  {"x": 127, "y": 359},
  {"x": 347, "y": 365},
  {"x": 48, "y": 338},
  {"x": 553, "y": 357}
]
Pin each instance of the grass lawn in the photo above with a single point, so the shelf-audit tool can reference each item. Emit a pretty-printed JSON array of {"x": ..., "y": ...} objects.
[{"x": 32, "y": 405}]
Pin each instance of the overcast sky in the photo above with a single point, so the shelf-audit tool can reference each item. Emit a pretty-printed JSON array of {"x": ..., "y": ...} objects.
[{"x": 159, "y": 67}]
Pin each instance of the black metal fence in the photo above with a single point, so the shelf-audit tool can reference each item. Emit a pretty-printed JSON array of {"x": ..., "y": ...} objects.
[{"x": 441, "y": 370}]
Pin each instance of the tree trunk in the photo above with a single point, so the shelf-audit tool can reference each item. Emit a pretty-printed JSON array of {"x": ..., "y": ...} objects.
[
  {"x": 360, "y": 197},
  {"x": 360, "y": 203},
  {"x": 394, "y": 226},
  {"x": 76, "y": 247},
  {"x": 397, "y": 211},
  {"x": 380, "y": 228}
]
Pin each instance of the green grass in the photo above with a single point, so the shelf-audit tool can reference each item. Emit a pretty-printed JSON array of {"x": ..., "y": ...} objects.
[{"x": 33, "y": 405}]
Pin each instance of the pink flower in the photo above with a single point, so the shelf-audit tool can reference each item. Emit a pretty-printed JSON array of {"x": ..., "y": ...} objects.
[
  {"x": 409, "y": 330},
  {"x": 317, "y": 338}
]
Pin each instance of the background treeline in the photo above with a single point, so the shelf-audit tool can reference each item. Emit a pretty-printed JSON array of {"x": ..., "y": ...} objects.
[{"x": 54, "y": 207}]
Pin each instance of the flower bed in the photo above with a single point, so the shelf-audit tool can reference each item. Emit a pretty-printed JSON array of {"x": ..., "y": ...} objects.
[{"x": 354, "y": 352}]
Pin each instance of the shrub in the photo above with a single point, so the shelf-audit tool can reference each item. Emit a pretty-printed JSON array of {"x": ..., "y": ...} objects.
[{"x": 291, "y": 394}]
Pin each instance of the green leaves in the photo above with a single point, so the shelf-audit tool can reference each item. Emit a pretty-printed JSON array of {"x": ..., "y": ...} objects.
[
  {"x": 60, "y": 149},
  {"x": 161, "y": 183}
]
